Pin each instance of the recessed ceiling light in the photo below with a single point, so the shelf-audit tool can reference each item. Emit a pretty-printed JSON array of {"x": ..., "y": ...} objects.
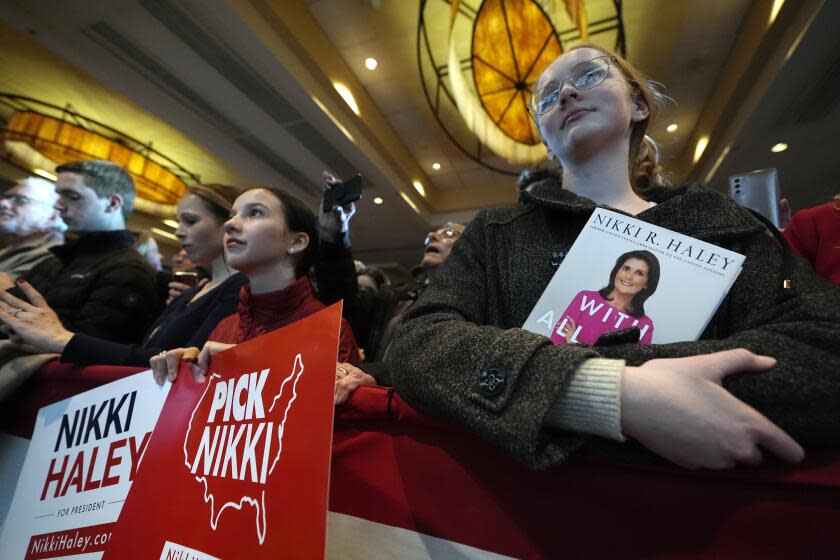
[
  {"x": 672, "y": 127},
  {"x": 347, "y": 96},
  {"x": 44, "y": 174},
  {"x": 172, "y": 223},
  {"x": 378, "y": 200},
  {"x": 780, "y": 147},
  {"x": 700, "y": 148},
  {"x": 435, "y": 166},
  {"x": 418, "y": 186},
  {"x": 371, "y": 63}
]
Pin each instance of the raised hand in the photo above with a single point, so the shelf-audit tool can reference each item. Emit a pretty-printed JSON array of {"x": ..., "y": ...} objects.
[{"x": 336, "y": 222}]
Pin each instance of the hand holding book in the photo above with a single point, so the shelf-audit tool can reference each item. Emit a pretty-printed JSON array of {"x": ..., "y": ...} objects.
[{"x": 593, "y": 292}]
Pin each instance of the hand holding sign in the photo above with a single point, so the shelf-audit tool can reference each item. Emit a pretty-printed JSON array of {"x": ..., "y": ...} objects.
[
  {"x": 166, "y": 364},
  {"x": 243, "y": 456}
]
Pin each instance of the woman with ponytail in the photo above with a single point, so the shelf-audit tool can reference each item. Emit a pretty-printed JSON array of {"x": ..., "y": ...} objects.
[{"x": 765, "y": 371}]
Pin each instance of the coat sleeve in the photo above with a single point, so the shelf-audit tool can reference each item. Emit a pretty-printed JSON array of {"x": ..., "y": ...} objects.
[
  {"x": 335, "y": 275},
  {"x": 119, "y": 307},
  {"x": 500, "y": 383},
  {"x": 801, "y": 393},
  {"x": 84, "y": 349}
]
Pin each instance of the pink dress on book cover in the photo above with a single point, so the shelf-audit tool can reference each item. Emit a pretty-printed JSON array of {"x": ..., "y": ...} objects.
[{"x": 593, "y": 315}]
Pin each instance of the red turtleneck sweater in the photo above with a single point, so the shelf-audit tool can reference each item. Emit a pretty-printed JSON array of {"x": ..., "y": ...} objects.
[{"x": 258, "y": 314}]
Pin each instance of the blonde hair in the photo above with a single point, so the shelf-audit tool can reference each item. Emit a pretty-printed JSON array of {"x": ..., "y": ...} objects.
[{"x": 645, "y": 168}]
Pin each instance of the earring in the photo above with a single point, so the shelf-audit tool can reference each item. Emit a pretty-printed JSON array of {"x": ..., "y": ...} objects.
[{"x": 291, "y": 250}]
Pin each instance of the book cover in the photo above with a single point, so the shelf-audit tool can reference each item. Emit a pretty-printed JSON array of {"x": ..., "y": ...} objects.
[
  {"x": 238, "y": 465},
  {"x": 623, "y": 272}
]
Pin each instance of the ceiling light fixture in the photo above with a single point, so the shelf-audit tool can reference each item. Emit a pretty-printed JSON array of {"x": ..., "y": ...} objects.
[
  {"x": 409, "y": 202},
  {"x": 672, "y": 127},
  {"x": 780, "y": 147},
  {"x": 700, "y": 148},
  {"x": 717, "y": 164},
  {"x": 777, "y": 6},
  {"x": 436, "y": 166},
  {"x": 60, "y": 135},
  {"x": 44, "y": 174},
  {"x": 371, "y": 63},
  {"x": 172, "y": 223},
  {"x": 347, "y": 96},
  {"x": 418, "y": 186},
  {"x": 162, "y": 233},
  {"x": 333, "y": 119},
  {"x": 378, "y": 200}
]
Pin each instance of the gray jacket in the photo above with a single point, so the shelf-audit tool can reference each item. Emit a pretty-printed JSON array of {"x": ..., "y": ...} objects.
[
  {"x": 460, "y": 352},
  {"x": 16, "y": 260}
]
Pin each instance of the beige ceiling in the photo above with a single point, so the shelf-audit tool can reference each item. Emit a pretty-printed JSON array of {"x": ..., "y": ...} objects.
[
  {"x": 681, "y": 44},
  {"x": 240, "y": 91},
  {"x": 32, "y": 70}
]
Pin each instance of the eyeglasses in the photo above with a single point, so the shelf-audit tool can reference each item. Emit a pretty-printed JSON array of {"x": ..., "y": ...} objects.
[
  {"x": 448, "y": 233},
  {"x": 20, "y": 199},
  {"x": 584, "y": 75}
]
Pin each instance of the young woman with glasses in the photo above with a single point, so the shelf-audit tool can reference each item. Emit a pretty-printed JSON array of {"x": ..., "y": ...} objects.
[{"x": 764, "y": 372}]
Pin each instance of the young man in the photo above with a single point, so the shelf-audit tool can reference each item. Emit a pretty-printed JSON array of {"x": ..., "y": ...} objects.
[
  {"x": 30, "y": 224},
  {"x": 97, "y": 283}
]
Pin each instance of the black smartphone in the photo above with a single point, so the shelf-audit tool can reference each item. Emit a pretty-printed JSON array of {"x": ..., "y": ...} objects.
[
  {"x": 185, "y": 277},
  {"x": 344, "y": 193}
]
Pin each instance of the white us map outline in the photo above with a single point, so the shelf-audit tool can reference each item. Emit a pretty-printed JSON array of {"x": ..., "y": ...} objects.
[{"x": 259, "y": 505}]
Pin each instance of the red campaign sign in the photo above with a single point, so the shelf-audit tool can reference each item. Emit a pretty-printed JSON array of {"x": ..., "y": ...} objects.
[{"x": 238, "y": 466}]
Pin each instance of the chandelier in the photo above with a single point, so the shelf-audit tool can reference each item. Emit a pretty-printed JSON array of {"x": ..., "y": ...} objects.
[
  {"x": 480, "y": 96},
  {"x": 61, "y": 135}
]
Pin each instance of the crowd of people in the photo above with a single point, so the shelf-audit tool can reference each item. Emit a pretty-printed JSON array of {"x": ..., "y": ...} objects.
[{"x": 764, "y": 378}]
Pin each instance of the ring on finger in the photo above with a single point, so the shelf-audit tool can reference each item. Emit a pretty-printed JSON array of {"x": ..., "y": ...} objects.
[{"x": 343, "y": 371}]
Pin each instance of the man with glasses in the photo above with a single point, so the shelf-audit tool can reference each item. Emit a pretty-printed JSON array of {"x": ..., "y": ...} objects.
[
  {"x": 96, "y": 284},
  {"x": 438, "y": 245},
  {"x": 380, "y": 314},
  {"x": 30, "y": 225}
]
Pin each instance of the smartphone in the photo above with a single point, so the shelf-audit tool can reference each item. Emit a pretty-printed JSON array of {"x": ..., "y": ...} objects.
[
  {"x": 759, "y": 191},
  {"x": 187, "y": 277},
  {"x": 344, "y": 193}
]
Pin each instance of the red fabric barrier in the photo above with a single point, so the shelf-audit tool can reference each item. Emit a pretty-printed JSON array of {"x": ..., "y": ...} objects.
[
  {"x": 420, "y": 474},
  {"x": 396, "y": 466}
]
